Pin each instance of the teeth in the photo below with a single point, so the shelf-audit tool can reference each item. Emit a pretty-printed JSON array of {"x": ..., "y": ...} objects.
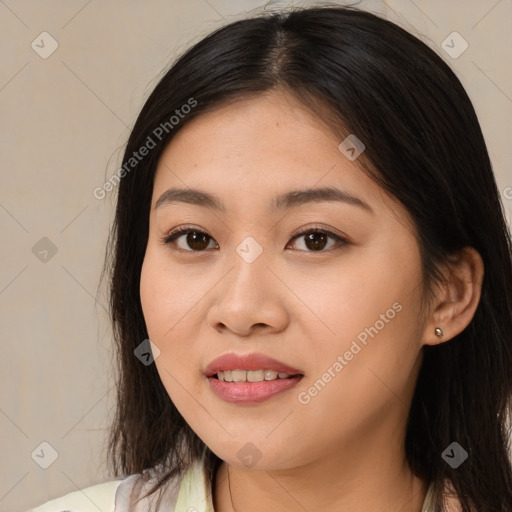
[
  {"x": 239, "y": 375},
  {"x": 250, "y": 375},
  {"x": 255, "y": 376}
]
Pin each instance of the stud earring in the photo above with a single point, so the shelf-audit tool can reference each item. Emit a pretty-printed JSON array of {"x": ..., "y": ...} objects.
[{"x": 439, "y": 333}]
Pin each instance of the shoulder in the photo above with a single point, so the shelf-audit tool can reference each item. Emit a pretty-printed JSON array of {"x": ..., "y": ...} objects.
[
  {"x": 451, "y": 502},
  {"x": 444, "y": 493},
  {"x": 184, "y": 490},
  {"x": 99, "y": 497}
]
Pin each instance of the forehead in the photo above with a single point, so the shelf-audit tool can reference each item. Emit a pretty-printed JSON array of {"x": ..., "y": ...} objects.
[
  {"x": 266, "y": 125},
  {"x": 257, "y": 148}
]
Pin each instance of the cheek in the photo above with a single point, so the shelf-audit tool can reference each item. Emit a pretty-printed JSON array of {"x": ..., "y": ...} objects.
[
  {"x": 364, "y": 291},
  {"x": 157, "y": 301},
  {"x": 171, "y": 301},
  {"x": 150, "y": 292},
  {"x": 164, "y": 310},
  {"x": 368, "y": 316},
  {"x": 168, "y": 295}
]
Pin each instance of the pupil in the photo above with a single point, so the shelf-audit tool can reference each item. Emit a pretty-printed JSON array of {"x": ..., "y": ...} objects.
[
  {"x": 313, "y": 237},
  {"x": 194, "y": 241}
]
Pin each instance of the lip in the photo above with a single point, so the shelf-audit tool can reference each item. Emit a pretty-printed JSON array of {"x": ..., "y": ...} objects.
[
  {"x": 252, "y": 361},
  {"x": 250, "y": 392}
]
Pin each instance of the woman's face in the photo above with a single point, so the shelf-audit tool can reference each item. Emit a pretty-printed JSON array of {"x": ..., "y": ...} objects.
[{"x": 343, "y": 313}]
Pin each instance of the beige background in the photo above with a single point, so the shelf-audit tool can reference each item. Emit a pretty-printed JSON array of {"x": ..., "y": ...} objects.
[{"x": 64, "y": 121}]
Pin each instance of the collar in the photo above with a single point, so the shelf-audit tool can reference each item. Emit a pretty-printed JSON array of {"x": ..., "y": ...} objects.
[{"x": 194, "y": 491}]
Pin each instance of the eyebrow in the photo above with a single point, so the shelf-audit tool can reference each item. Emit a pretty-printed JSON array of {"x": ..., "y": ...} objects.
[{"x": 287, "y": 200}]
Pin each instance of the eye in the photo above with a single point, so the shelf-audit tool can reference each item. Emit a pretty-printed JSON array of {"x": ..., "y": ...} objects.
[
  {"x": 315, "y": 239},
  {"x": 196, "y": 239}
]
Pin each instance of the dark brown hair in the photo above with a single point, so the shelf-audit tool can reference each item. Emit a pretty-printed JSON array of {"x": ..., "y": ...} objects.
[{"x": 424, "y": 145}]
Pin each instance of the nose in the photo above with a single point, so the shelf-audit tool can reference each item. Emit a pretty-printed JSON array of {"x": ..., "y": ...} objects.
[{"x": 250, "y": 298}]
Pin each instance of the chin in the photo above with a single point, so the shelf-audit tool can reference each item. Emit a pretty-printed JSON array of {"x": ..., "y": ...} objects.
[{"x": 246, "y": 454}]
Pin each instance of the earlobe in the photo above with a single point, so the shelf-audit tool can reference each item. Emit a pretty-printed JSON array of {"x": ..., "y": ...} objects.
[
  {"x": 458, "y": 297},
  {"x": 439, "y": 333}
]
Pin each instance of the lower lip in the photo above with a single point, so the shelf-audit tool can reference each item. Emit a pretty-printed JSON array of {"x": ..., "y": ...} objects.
[{"x": 251, "y": 392}]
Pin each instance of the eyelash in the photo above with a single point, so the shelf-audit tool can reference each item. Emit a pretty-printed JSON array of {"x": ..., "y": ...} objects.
[{"x": 174, "y": 235}]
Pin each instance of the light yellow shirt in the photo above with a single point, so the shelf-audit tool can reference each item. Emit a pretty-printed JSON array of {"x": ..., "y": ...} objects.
[{"x": 185, "y": 493}]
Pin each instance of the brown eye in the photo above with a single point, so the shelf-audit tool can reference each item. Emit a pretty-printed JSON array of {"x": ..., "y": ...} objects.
[
  {"x": 194, "y": 239},
  {"x": 316, "y": 240}
]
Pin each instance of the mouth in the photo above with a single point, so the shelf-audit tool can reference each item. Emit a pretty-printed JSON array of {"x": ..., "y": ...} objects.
[
  {"x": 250, "y": 378},
  {"x": 252, "y": 375}
]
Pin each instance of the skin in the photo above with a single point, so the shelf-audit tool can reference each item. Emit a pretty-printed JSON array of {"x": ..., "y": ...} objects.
[{"x": 344, "y": 449}]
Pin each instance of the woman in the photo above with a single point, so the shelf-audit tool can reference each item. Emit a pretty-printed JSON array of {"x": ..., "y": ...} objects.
[{"x": 309, "y": 231}]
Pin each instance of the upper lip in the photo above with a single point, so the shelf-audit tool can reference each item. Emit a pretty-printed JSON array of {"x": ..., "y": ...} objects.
[{"x": 252, "y": 361}]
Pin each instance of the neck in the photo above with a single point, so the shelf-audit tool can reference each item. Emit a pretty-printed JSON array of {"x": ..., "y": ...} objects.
[{"x": 357, "y": 478}]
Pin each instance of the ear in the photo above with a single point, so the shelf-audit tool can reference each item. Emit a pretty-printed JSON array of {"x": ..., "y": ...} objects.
[{"x": 457, "y": 297}]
